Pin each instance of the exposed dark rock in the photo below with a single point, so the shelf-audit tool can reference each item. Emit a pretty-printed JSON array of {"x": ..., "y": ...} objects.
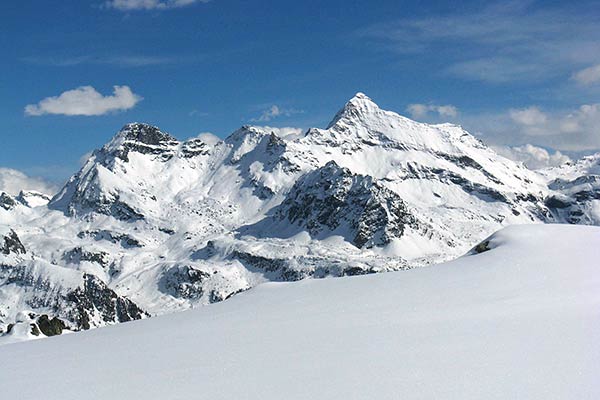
[
  {"x": 353, "y": 271},
  {"x": 258, "y": 262},
  {"x": 481, "y": 247},
  {"x": 77, "y": 255},
  {"x": 194, "y": 148},
  {"x": 557, "y": 202},
  {"x": 11, "y": 244},
  {"x": 168, "y": 231},
  {"x": 145, "y": 139},
  {"x": 183, "y": 281},
  {"x": 50, "y": 327},
  {"x": 332, "y": 198},
  {"x": 123, "y": 239},
  {"x": 34, "y": 330},
  {"x": 467, "y": 162},
  {"x": 96, "y": 297},
  {"x": 7, "y": 202}
]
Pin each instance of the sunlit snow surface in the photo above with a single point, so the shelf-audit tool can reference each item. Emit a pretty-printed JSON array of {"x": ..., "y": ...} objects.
[{"x": 520, "y": 321}]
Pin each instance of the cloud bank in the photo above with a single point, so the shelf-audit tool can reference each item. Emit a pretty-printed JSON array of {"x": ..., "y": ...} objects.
[
  {"x": 533, "y": 157},
  {"x": 85, "y": 100},
  {"x": 13, "y": 181}
]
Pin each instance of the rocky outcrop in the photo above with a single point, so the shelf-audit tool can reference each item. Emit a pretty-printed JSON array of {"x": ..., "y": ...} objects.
[
  {"x": 331, "y": 199},
  {"x": 144, "y": 139},
  {"x": 6, "y": 201},
  {"x": 11, "y": 244},
  {"x": 94, "y": 300},
  {"x": 78, "y": 254},
  {"x": 50, "y": 326},
  {"x": 124, "y": 239},
  {"x": 80, "y": 301},
  {"x": 184, "y": 281}
]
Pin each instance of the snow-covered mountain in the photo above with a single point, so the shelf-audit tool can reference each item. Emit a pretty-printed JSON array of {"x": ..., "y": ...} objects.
[
  {"x": 576, "y": 187},
  {"x": 151, "y": 224},
  {"x": 518, "y": 321}
]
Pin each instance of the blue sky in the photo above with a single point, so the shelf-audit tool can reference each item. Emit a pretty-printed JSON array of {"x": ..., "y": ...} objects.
[{"x": 512, "y": 72}]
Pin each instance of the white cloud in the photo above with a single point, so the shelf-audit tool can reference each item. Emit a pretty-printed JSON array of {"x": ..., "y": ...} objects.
[
  {"x": 533, "y": 157},
  {"x": 208, "y": 138},
  {"x": 13, "y": 181},
  {"x": 418, "y": 110},
  {"x": 85, "y": 100},
  {"x": 588, "y": 75},
  {"x": 132, "y": 5},
  {"x": 275, "y": 111},
  {"x": 530, "y": 116},
  {"x": 586, "y": 118}
]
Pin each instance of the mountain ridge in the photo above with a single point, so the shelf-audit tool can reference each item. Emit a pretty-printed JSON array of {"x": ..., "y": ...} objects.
[{"x": 168, "y": 225}]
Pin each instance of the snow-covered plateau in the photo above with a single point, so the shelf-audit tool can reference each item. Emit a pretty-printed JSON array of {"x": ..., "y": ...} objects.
[
  {"x": 151, "y": 225},
  {"x": 518, "y": 317}
]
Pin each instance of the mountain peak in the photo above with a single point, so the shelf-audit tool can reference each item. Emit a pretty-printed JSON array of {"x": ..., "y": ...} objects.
[
  {"x": 358, "y": 106},
  {"x": 141, "y": 138},
  {"x": 360, "y": 96},
  {"x": 143, "y": 133}
]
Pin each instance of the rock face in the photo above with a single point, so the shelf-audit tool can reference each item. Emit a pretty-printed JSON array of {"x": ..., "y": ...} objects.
[
  {"x": 11, "y": 244},
  {"x": 95, "y": 300},
  {"x": 143, "y": 139},
  {"x": 50, "y": 326},
  {"x": 151, "y": 225},
  {"x": 333, "y": 199},
  {"x": 6, "y": 201}
]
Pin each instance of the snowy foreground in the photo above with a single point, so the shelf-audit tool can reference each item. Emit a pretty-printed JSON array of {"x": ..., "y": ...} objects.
[{"x": 520, "y": 321}]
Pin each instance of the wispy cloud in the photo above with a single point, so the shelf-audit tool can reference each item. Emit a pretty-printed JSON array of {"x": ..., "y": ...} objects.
[
  {"x": 196, "y": 113},
  {"x": 588, "y": 76},
  {"x": 274, "y": 112},
  {"x": 117, "y": 61},
  {"x": 133, "y": 5},
  {"x": 85, "y": 100},
  {"x": 419, "y": 111},
  {"x": 502, "y": 42}
]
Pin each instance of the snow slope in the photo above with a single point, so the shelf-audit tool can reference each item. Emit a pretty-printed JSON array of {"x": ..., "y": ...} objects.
[{"x": 519, "y": 321}]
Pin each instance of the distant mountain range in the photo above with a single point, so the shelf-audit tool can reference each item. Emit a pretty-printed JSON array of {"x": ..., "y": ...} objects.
[{"x": 152, "y": 225}]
